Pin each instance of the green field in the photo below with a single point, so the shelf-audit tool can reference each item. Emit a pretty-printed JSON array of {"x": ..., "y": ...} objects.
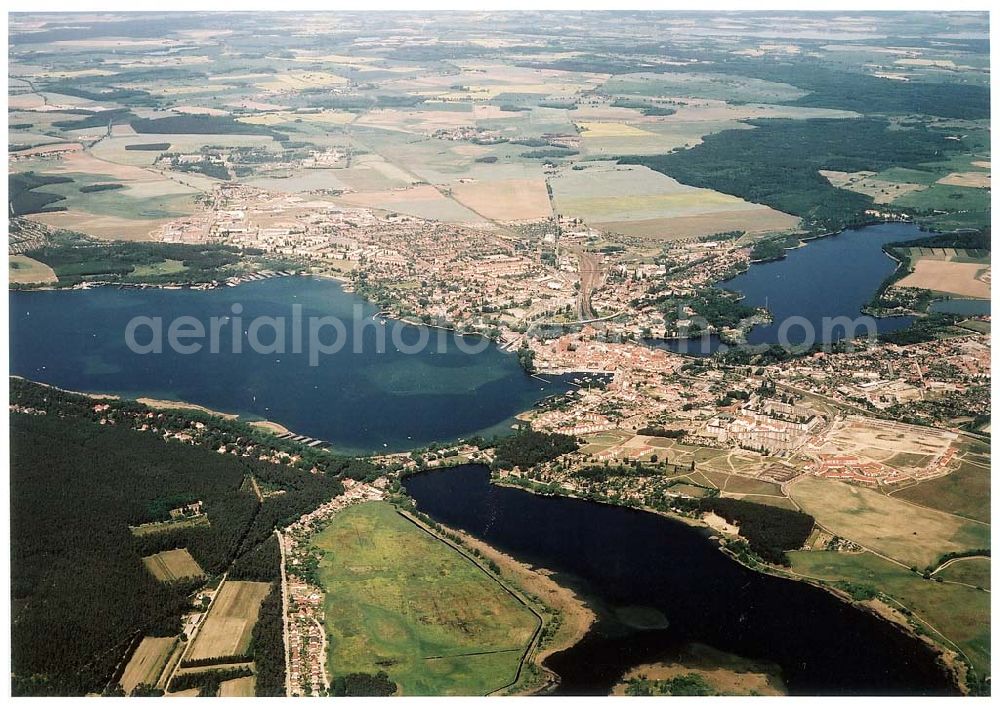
[
  {"x": 965, "y": 492},
  {"x": 914, "y": 536},
  {"x": 402, "y": 601},
  {"x": 973, "y": 570},
  {"x": 960, "y": 613}
]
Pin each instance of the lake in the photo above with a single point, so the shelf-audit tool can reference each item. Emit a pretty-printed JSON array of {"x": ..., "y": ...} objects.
[
  {"x": 360, "y": 401},
  {"x": 627, "y": 559},
  {"x": 828, "y": 277}
]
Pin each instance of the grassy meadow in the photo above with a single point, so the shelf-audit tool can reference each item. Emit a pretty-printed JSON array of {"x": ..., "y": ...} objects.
[{"x": 402, "y": 601}]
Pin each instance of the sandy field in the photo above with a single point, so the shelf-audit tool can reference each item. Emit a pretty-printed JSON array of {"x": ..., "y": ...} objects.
[
  {"x": 979, "y": 180},
  {"x": 506, "y": 200},
  {"x": 228, "y": 627},
  {"x": 966, "y": 279},
  {"x": 758, "y": 220},
  {"x": 21, "y": 269},
  {"x": 244, "y": 686},
  {"x": 103, "y": 227},
  {"x": 147, "y": 662},
  {"x": 172, "y": 565}
]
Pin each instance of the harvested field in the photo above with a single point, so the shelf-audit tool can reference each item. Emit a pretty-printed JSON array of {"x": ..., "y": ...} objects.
[
  {"x": 913, "y": 536},
  {"x": 759, "y": 220},
  {"x": 244, "y": 686},
  {"x": 869, "y": 184},
  {"x": 300, "y": 80},
  {"x": 640, "y": 202},
  {"x": 103, "y": 227},
  {"x": 173, "y": 565},
  {"x": 21, "y": 269},
  {"x": 966, "y": 279},
  {"x": 507, "y": 200},
  {"x": 229, "y": 624},
  {"x": 423, "y": 201},
  {"x": 977, "y": 180},
  {"x": 148, "y": 662}
]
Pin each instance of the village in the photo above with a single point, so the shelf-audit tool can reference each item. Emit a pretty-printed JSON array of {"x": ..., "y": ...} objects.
[{"x": 303, "y": 601}]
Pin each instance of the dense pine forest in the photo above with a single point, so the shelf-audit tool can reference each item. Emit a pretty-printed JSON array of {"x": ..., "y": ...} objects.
[{"x": 81, "y": 594}]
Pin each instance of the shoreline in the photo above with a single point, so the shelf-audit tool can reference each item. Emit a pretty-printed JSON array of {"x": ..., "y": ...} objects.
[
  {"x": 234, "y": 281},
  {"x": 534, "y": 584},
  {"x": 950, "y": 659}
]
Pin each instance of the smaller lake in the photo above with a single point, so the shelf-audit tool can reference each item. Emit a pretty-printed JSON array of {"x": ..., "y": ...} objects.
[
  {"x": 964, "y": 307},
  {"x": 814, "y": 285},
  {"x": 630, "y": 564}
]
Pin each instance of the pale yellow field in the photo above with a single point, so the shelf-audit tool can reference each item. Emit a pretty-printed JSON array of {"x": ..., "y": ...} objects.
[
  {"x": 506, "y": 200},
  {"x": 330, "y": 117},
  {"x": 980, "y": 180},
  {"x": 612, "y": 130},
  {"x": 759, "y": 220},
  {"x": 103, "y": 227},
  {"x": 244, "y": 686},
  {"x": 422, "y": 201},
  {"x": 147, "y": 662},
  {"x": 23, "y": 270},
  {"x": 912, "y": 535},
  {"x": 864, "y": 183},
  {"x": 966, "y": 279},
  {"x": 172, "y": 565},
  {"x": 229, "y": 624},
  {"x": 299, "y": 80}
]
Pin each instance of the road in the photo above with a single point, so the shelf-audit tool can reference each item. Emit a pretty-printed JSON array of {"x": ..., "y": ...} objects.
[{"x": 284, "y": 617}]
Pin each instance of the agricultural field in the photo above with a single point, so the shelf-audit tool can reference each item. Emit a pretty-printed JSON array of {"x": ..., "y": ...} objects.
[
  {"x": 173, "y": 565},
  {"x": 953, "y": 614},
  {"x": 23, "y": 270},
  {"x": 244, "y": 686},
  {"x": 228, "y": 626},
  {"x": 907, "y": 534},
  {"x": 971, "y": 570},
  {"x": 399, "y": 599},
  {"x": 949, "y": 271},
  {"x": 965, "y": 491},
  {"x": 147, "y": 662},
  {"x": 505, "y": 199},
  {"x": 640, "y": 202}
]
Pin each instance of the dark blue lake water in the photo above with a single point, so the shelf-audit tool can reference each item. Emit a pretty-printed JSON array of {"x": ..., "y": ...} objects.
[
  {"x": 827, "y": 278},
  {"x": 359, "y": 401},
  {"x": 620, "y": 558}
]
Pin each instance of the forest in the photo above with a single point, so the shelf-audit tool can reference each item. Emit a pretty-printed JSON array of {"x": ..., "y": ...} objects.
[
  {"x": 81, "y": 593},
  {"x": 268, "y": 646},
  {"x": 770, "y": 531},
  {"x": 778, "y": 163},
  {"x": 527, "y": 448},
  {"x": 25, "y": 193},
  {"x": 76, "y": 258}
]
